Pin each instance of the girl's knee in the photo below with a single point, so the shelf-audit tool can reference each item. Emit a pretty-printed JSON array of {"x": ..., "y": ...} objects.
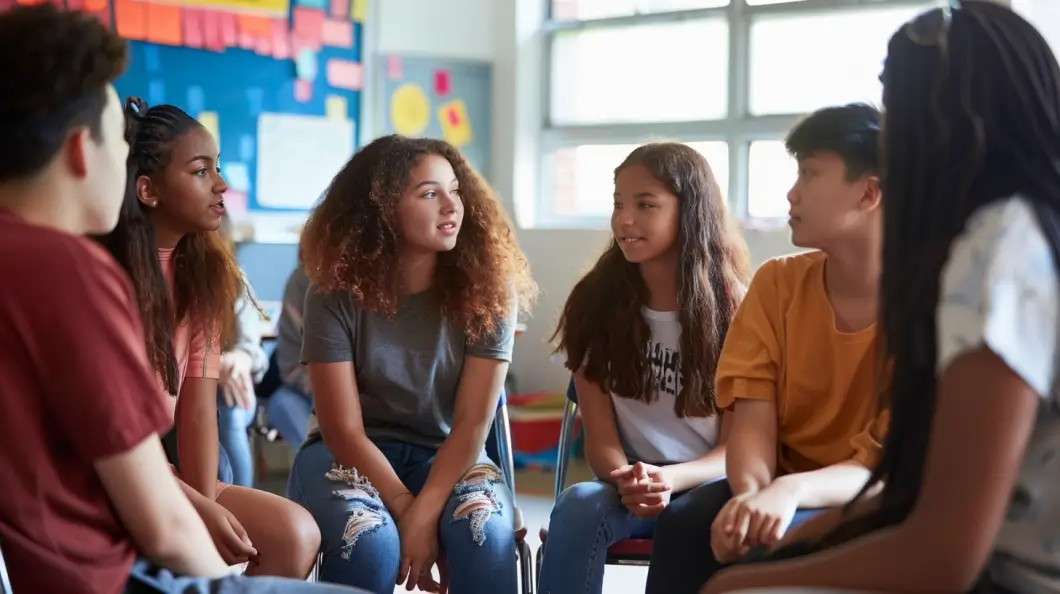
[
  {"x": 480, "y": 505},
  {"x": 591, "y": 499}
]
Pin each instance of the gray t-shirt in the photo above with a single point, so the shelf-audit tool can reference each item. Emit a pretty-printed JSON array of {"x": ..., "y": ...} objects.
[{"x": 407, "y": 368}]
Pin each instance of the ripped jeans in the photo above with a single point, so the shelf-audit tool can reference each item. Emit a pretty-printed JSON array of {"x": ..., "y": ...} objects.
[{"x": 360, "y": 539}]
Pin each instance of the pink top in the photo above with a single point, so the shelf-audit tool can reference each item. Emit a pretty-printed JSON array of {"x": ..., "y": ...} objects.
[{"x": 197, "y": 356}]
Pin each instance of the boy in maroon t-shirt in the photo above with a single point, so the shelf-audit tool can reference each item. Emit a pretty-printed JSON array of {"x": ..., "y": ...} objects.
[{"x": 85, "y": 484}]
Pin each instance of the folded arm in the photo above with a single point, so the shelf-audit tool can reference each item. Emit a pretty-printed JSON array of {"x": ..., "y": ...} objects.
[
  {"x": 751, "y": 450},
  {"x": 603, "y": 449},
  {"x": 706, "y": 468}
]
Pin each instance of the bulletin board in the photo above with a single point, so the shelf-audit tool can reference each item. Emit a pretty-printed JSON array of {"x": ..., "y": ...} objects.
[
  {"x": 437, "y": 98},
  {"x": 278, "y": 82}
]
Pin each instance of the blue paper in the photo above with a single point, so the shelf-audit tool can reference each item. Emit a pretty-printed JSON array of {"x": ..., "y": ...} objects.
[
  {"x": 237, "y": 175},
  {"x": 156, "y": 92},
  {"x": 196, "y": 100},
  {"x": 318, "y": 4},
  {"x": 246, "y": 147},
  {"x": 305, "y": 65},
  {"x": 255, "y": 99},
  {"x": 152, "y": 61}
]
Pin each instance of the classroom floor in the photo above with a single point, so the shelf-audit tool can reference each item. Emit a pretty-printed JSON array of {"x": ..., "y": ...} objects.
[{"x": 534, "y": 496}]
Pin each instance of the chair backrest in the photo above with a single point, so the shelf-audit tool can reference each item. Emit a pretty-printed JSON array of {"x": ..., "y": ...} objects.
[
  {"x": 5, "y": 581},
  {"x": 572, "y": 392}
]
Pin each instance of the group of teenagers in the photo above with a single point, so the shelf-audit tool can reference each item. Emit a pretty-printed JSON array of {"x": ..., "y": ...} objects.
[{"x": 878, "y": 413}]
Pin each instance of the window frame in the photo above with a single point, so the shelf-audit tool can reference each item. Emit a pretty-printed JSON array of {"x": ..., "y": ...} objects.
[{"x": 739, "y": 128}]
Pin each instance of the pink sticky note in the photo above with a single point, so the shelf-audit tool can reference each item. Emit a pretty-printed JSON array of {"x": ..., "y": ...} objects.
[
  {"x": 340, "y": 9},
  {"x": 303, "y": 90},
  {"x": 229, "y": 29},
  {"x": 247, "y": 41},
  {"x": 281, "y": 40},
  {"x": 308, "y": 25},
  {"x": 337, "y": 33},
  {"x": 344, "y": 74},
  {"x": 235, "y": 203},
  {"x": 211, "y": 31},
  {"x": 441, "y": 83},
  {"x": 394, "y": 68},
  {"x": 263, "y": 46},
  {"x": 193, "y": 36}
]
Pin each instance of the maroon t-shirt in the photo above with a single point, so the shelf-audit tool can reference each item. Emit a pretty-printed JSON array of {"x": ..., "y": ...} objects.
[{"x": 75, "y": 387}]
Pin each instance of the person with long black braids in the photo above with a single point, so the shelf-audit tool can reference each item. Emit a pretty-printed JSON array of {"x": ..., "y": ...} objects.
[{"x": 971, "y": 463}]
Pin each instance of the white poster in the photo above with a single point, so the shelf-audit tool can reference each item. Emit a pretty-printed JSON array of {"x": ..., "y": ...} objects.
[{"x": 298, "y": 156}]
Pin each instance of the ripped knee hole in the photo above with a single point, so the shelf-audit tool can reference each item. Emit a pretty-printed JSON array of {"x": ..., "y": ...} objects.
[{"x": 477, "y": 499}]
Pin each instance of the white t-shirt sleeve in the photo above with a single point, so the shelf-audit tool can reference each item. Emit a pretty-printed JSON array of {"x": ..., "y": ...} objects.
[{"x": 999, "y": 289}]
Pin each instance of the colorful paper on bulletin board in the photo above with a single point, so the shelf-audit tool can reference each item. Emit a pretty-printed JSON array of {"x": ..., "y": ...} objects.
[
  {"x": 235, "y": 203},
  {"x": 281, "y": 40},
  {"x": 237, "y": 175},
  {"x": 410, "y": 110},
  {"x": 336, "y": 108},
  {"x": 337, "y": 33},
  {"x": 307, "y": 27},
  {"x": 358, "y": 10},
  {"x": 303, "y": 90},
  {"x": 317, "y": 4},
  {"x": 340, "y": 9},
  {"x": 258, "y": 7},
  {"x": 306, "y": 65},
  {"x": 130, "y": 19},
  {"x": 163, "y": 24},
  {"x": 441, "y": 82},
  {"x": 209, "y": 120},
  {"x": 229, "y": 29},
  {"x": 344, "y": 74},
  {"x": 456, "y": 127},
  {"x": 193, "y": 36},
  {"x": 395, "y": 69},
  {"x": 211, "y": 31}
]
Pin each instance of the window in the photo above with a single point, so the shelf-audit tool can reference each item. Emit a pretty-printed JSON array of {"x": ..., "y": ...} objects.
[
  {"x": 583, "y": 10},
  {"x": 630, "y": 74},
  {"x": 583, "y": 176},
  {"x": 741, "y": 73},
  {"x": 801, "y": 63},
  {"x": 771, "y": 172}
]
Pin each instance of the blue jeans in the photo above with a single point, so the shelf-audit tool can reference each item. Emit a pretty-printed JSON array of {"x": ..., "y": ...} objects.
[
  {"x": 359, "y": 538},
  {"x": 288, "y": 411},
  {"x": 232, "y": 423},
  {"x": 681, "y": 557},
  {"x": 145, "y": 577},
  {"x": 586, "y": 520}
]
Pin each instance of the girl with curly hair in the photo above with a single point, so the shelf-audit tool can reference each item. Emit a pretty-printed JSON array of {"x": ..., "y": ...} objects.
[
  {"x": 642, "y": 332},
  {"x": 187, "y": 283},
  {"x": 408, "y": 332}
]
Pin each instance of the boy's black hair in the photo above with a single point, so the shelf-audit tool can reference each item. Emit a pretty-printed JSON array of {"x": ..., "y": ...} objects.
[
  {"x": 57, "y": 65},
  {"x": 852, "y": 132}
]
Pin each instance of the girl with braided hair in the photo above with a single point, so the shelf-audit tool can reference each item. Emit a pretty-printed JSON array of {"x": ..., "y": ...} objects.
[
  {"x": 970, "y": 472},
  {"x": 186, "y": 283}
]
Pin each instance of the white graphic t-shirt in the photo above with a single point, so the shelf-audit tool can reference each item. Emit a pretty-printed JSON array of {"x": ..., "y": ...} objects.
[{"x": 999, "y": 289}]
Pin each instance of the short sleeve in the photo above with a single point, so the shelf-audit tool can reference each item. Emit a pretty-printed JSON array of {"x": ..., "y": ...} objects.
[
  {"x": 204, "y": 354},
  {"x": 868, "y": 444},
  {"x": 751, "y": 354},
  {"x": 89, "y": 351},
  {"x": 326, "y": 331},
  {"x": 999, "y": 289},
  {"x": 500, "y": 343}
]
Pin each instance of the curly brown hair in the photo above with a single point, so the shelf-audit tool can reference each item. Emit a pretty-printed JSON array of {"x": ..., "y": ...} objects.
[
  {"x": 351, "y": 239},
  {"x": 602, "y": 330}
]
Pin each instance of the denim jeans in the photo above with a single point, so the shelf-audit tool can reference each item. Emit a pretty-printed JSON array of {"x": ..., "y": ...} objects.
[
  {"x": 232, "y": 424},
  {"x": 587, "y": 519},
  {"x": 288, "y": 411},
  {"x": 359, "y": 538},
  {"x": 145, "y": 578},
  {"x": 681, "y": 557}
]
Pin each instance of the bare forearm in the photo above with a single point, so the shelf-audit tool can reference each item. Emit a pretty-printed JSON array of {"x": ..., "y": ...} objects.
[
  {"x": 746, "y": 470},
  {"x": 603, "y": 460},
  {"x": 691, "y": 474},
  {"x": 830, "y": 486},
  {"x": 187, "y": 548},
  {"x": 353, "y": 450},
  {"x": 826, "y": 521},
  {"x": 456, "y": 456},
  {"x": 197, "y": 445}
]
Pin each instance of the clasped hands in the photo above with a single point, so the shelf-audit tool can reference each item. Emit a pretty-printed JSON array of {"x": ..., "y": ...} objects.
[
  {"x": 645, "y": 489},
  {"x": 418, "y": 534},
  {"x": 750, "y": 520}
]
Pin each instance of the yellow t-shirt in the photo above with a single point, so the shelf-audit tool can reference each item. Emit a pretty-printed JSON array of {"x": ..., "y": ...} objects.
[{"x": 783, "y": 346}]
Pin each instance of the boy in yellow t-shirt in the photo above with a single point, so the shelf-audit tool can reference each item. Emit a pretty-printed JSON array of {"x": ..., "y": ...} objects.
[{"x": 799, "y": 368}]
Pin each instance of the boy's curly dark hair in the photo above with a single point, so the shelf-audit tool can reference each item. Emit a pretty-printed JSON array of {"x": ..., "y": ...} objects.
[{"x": 351, "y": 241}]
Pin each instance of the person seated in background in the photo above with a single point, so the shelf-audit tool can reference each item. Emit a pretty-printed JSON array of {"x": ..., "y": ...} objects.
[
  {"x": 187, "y": 284},
  {"x": 86, "y": 486},
  {"x": 409, "y": 330},
  {"x": 642, "y": 333},
  {"x": 242, "y": 366},
  {"x": 799, "y": 367},
  {"x": 970, "y": 293},
  {"x": 289, "y": 407}
]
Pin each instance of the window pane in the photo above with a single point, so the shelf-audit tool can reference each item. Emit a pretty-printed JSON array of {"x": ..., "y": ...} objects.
[
  {"x": 584, "y": 176},
  {"x": 629, "y": 74},
  {"x": 582, "y": 10},
  {"x": 765, "y": 2},
  {"x": 799, "y": 64},
  {"x": 771, "y": 172}
]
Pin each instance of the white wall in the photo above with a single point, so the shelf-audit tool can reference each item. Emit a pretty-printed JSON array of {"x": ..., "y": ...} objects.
[{"x": 507, "y": 32}]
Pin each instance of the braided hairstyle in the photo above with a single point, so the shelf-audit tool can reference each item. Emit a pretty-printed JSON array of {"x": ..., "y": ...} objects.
[
  {"x": 207, "y": 278},
  {"x": 972, "y": 104}
]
